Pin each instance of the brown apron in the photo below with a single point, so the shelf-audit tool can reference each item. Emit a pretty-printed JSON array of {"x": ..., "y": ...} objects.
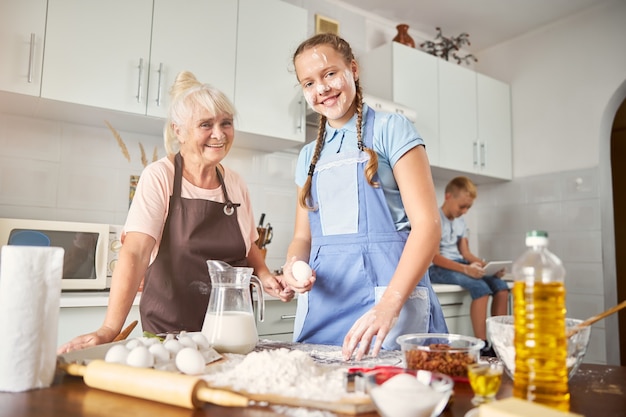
[{"x": 177, "y": 284}]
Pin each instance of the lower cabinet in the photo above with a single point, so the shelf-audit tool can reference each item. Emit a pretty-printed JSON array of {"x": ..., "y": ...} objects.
[
  {"x": 278, "y": 321},
  {"x": 455, "y": 303},
  {"x": 76, "y": 320}
]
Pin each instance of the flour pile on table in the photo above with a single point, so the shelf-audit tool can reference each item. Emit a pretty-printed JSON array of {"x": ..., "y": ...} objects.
[{"x": 290, "y": 373}]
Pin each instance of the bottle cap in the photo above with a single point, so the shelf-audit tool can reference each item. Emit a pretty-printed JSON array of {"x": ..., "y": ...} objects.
[{"x": 537, "y": 238}]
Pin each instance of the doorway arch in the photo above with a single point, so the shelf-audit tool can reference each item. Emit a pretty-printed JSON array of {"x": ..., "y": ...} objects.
[{"x": 613, "y": 191}]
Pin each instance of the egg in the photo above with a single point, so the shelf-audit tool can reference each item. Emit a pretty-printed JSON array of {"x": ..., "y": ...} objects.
[
  {"x": 201, "y": 340},
  {"x": 140, "y": 357},
  {"x": 187, "y": 341},
  {"x": 190, "y": 361},
  {"x": 116, "y": 354},
  {"x": 173, "y": 346},
  {"x": 301, "y": 270},
  {"x": 133, "y": 343},
  {"x": 159, "y": 352}
]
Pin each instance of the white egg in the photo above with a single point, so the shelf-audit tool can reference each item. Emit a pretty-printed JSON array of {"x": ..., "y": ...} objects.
[
  {"x": 190, "y": 361},
  {"x": 149, "y": 341},
  {"x": 301, "y": 270},
  {"x": 173, "y": 346},
  {"x": 117, "y": 354},
  {"x": 133, "y": 343},
  {"x": 201, "y": 340},
  {"x": 187, "y": 341},
  {"x": 140, "y": 357},
  {"x": 159, "y": 352}
]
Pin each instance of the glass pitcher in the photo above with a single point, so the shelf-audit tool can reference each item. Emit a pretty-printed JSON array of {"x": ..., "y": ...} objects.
[{"x": 229, "y": 323}]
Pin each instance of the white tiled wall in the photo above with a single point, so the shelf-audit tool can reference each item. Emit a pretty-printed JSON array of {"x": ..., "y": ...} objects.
[
  {"x": 61, "y": 171},
  {"x": 565, "y": 204}
]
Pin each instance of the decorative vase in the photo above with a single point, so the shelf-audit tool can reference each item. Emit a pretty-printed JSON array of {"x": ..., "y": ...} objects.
[{"x": 403, "y": 36}]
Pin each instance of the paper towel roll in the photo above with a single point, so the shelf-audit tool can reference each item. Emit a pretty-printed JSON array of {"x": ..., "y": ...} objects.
[{"x": 30, "y": 295}]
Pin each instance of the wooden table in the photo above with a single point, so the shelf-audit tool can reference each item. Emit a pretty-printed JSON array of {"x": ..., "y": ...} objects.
[{"x": 596, "y": 390}]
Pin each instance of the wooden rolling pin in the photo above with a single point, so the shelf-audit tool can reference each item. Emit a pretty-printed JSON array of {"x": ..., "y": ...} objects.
[{"x": 150, "y": 384}]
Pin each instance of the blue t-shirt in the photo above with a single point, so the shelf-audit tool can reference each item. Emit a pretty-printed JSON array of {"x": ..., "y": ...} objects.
[
  {"x": 394, "y": 135},
  {"x": 451, "y": 232}
]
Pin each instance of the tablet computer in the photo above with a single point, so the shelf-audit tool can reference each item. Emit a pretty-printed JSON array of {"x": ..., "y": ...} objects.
[{"x": 494, "y": 266}]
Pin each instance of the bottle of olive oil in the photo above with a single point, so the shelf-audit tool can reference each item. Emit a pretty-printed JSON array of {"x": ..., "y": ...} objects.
[{"x": 539, "y": 316}]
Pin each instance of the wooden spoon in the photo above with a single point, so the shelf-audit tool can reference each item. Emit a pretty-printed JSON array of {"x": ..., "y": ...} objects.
[
  {"x": 595, "y": 318},
  {"x": 124, "y": 333}
]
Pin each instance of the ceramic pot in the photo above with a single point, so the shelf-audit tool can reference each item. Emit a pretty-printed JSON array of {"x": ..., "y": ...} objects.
[{"x": 403, "y": 36}]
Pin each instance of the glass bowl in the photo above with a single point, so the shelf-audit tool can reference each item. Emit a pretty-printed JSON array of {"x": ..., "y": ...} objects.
[
  {"x": 408, "y": 393},
  {"x": 440, "y": 352},
  {"x": 500, "y": 332}
]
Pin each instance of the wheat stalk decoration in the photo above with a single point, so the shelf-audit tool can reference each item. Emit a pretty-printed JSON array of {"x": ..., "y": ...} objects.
[
  {"x": 144, "y": 160},
  {"x": 155, "y": 155},
  {"x": 119, "y": 140}
]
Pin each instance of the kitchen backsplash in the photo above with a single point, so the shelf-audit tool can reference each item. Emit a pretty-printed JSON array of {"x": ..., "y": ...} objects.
[{"x": 61, "y": 171}]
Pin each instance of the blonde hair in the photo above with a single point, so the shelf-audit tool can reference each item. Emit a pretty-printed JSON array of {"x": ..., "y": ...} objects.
[
  {"x": 458, "y": 184},
  {"x": 341, "y": 46},
  {"x": 187, "y": 94}
]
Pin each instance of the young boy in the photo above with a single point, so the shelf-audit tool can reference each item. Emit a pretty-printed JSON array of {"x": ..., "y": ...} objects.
[{"x": 456, "y": 264}]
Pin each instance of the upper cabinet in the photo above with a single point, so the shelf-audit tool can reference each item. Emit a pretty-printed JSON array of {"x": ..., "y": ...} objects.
[
  {"x": 97, "y": 53},
  {"x": 267, "y": 95},
  {"x": 403, "y": 75},
  {"x": 464, "y": 117},
  {"x": 475, "y": 123},
  {"x": 123, "y": 55},
  {"x": 21, "y": 45}
]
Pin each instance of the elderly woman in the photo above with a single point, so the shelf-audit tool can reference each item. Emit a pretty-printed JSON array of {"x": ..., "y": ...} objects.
[{"x": 187, "y": 208}]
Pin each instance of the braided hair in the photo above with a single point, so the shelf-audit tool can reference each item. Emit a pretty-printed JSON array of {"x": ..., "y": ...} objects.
[{"x": 344, "y": 49}]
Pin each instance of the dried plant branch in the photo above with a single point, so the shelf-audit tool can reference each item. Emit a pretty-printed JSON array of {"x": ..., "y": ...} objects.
[
  {"x": 119, "y": 140},
  {"x": 144, "y": 160},
  {"x": 155, "y": 155}
]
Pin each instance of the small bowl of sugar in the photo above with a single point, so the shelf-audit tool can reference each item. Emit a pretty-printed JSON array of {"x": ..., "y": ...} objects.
[{"x": 408, "y": 393}]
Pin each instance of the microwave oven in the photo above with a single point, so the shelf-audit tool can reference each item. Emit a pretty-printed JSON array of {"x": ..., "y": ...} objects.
[{"x": 91, "y": 249}]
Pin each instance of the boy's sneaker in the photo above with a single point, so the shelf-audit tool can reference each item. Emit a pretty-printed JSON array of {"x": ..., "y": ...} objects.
[{"x": 488, "y": 351}]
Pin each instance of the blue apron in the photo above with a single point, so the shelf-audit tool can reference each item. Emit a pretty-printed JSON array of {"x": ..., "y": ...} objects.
[{"x": 355, "y": 255}]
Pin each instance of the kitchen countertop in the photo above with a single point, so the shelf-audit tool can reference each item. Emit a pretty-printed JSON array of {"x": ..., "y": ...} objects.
[
  {"x": 596, "y": 390},
  {"x": 101, "y": 298}
]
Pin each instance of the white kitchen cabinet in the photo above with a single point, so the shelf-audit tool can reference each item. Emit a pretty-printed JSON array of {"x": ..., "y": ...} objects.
[
  {"x": 406, "y": 76},
  {"x": 192, "y": 35},
  {"x": 21, "y": 45},
  {"x": 455, "y": 303},
  {"x": 494, "y": 127},
  {"x": 475, "y": 123},
  {"x": 267, "y": 95},
  {"x": 124, "y": 55},
  {"x": 278, "y": 321}
]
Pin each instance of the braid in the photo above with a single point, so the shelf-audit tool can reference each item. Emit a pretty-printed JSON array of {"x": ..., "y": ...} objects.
[
  {"x": 305, "y": 195},
  {"x": 372, "y": 165}
]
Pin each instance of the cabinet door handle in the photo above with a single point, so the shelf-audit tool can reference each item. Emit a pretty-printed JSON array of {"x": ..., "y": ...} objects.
[
  {"x": 451, "y": 304},
  {"x": 475, "y": 152},
  {"x": 482, "y": 155},
  {"x": 302, "y": 118},
  {"x": 140, "y": 70},
  {"x": 158, "y": 99},
  {"x": 31, "y": 58},
  {"x": 288, "y": 317}
]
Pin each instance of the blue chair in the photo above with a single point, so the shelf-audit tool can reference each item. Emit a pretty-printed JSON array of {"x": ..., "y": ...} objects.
[{"x": 29, "y": 238}]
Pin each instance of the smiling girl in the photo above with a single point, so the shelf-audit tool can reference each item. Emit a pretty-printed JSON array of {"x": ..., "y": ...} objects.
[{"x": 366, "y": 220}]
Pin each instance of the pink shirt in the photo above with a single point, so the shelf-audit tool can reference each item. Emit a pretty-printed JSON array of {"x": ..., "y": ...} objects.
[{"x": 150, "y": 204}]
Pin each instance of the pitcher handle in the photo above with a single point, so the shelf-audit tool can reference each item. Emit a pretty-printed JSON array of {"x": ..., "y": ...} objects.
[{"x": 256, "y": 282}]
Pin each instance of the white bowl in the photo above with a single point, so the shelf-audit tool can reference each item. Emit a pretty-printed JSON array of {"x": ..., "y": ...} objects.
[{"x": 501, "y": 334}]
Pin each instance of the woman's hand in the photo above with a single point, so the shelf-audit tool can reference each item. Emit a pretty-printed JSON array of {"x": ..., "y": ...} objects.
[
  {"x": 276, "y": 287},
  {"x": 376, "y": 322},
  {"x": 102, "y": 335}
]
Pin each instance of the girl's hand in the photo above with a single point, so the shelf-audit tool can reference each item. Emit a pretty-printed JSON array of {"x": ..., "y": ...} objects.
[
  {"x": 376, "y": 322},
  {"x": 292, "y": 282}
]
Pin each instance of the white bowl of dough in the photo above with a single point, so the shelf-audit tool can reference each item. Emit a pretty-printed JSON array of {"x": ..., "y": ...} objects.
[{"x": 501, "y": 334}]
